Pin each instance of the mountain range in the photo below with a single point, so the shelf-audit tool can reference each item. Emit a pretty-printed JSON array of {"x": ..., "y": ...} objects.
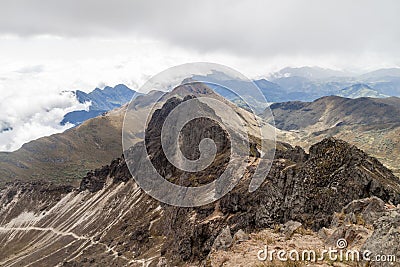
[
  {"x": 70, "y": 199},
  {"x": 372, "y": 124},
  {"x": 310, "y": 83},
  {"x": 332, "y": 191},
  {"x": 101, "y": 101}
]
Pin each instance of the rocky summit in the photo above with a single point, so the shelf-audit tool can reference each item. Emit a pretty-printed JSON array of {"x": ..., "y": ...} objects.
[{"x": 110, "y": 221}]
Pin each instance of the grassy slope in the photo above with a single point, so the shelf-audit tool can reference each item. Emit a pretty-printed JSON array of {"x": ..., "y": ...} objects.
[{"x": 70, "y": 154}]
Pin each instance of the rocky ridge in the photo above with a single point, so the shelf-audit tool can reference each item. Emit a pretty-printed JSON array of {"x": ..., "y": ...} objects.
[{"x": 110, "y": 221}]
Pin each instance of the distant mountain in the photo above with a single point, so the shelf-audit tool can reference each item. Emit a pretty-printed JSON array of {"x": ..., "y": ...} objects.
[
  {"x": 330, "y": 111},
  {"x": 107, "y": 98},
  {"x": 102, "y": 100},
  {"x": 390, "y": 72},
  {"x": 385, "y": 81},
  {"x": 312, "y": 73},
  {"x": 360, "y": 90},
  {"x": 310, "y": 83},
  {"x": 278, "y": 90},
  {"x": 271, "y": 91},
  {"x": 388, "y": 86},
  {"x": 372, "y": 124}
]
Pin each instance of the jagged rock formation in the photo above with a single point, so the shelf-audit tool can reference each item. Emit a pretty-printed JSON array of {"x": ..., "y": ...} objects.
[
  {"x": 190, "y": 136},
  {"x": 111, "y": 221},
  {"x": 385, "y": 240},
  {"x": 95, "y": 180}
]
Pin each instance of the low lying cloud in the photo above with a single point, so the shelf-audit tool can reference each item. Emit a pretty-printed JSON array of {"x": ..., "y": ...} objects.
[
  {"x": 29, "y": 117},
  {"x": 34, "y": 72},
  {"x": 31, "y": 69}
]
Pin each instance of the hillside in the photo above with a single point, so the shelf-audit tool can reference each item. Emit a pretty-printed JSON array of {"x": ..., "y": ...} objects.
[
  {"x": 371, "y": 124},
  {"x": 65, "y": 157},
  {"x": 360, "y": 90}
]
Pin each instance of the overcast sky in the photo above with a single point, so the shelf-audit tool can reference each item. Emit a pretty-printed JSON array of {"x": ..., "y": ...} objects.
[{"x": 47, "y": 46}]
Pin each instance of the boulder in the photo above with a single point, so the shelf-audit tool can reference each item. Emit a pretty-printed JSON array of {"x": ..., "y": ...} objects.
[
  {"x": 385, "y": 240},
  {"x": 367, "y": 209},
  {"x": 240, "y": 236},
  {"x": 224, "y": 240},
  {"x": 290, "y": 227}
]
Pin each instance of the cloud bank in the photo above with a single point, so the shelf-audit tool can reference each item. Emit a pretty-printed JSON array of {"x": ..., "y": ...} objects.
[
  {"x": 247, "y": 28},
  {"x": 31, "y": 116}
]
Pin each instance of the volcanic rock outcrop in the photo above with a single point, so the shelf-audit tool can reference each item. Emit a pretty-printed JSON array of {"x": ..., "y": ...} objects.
[{"x": 110, "y": 221}]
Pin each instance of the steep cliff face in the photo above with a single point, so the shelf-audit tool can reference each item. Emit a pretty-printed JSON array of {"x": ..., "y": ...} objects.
[
  {"x": 29, "y": 198},
  {"x": 115, "y": 226},
  {"x": 190, "y": 137},
  {"x": 110, "y": 221}
]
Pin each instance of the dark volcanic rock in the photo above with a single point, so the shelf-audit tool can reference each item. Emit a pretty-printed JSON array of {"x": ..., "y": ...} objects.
[
  {"x": 286, "y": 151},
  {"x": 290, "y": 227},
  {"x": 368, "y": 209},
  {"x": 307, "y": 188},
  {"x": 224, "y": 239},
  {"x": 385, "y": 239},
  {"x": 310, "y": 191},
  {"x": 190, "y": 136},
  {"x": 95, "y": 180},
  {"x": 335, "y": 174}
]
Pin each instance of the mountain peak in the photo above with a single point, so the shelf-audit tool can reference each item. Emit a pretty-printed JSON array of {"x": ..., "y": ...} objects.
[
  {"x": 192, "y": 87},
  {"x": 360, "y": 90},
  {"x": 102, "y": 100},
  {"x": 312, "y": 73}
]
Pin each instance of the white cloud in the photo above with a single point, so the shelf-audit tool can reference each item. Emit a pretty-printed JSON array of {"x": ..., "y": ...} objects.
[
  {"x": 255, "y": 28},
  {"x": 31, "y": 116},
  {"x": 31, "y": 83}
]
